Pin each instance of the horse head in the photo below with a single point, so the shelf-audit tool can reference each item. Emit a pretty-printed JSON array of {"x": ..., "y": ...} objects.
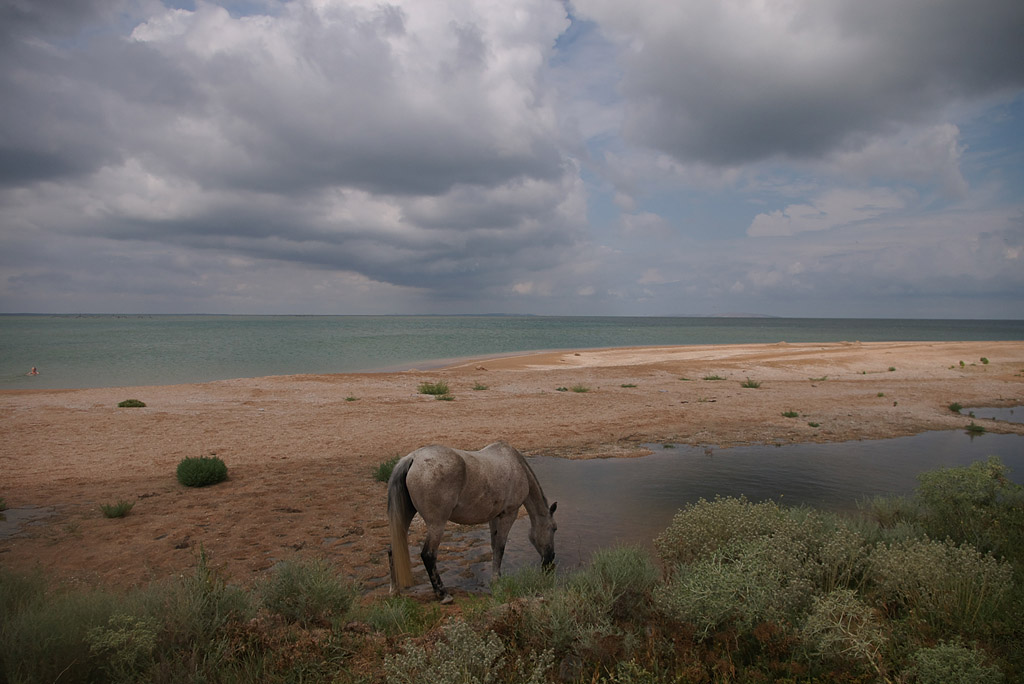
[{"x": 542, "y": 536}]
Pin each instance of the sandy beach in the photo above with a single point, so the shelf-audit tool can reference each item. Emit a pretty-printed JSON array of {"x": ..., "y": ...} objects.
[{"x": 301, "y": 449}]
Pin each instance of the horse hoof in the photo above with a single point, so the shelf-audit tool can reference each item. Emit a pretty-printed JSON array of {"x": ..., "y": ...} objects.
[{"x": 446, "y": 599}]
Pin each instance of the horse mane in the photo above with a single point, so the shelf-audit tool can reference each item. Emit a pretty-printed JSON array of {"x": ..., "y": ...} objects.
[{"x": 536, "y": 491}]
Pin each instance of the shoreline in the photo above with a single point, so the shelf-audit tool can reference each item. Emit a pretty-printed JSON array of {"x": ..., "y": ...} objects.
[{"x": 301, "y": 449}]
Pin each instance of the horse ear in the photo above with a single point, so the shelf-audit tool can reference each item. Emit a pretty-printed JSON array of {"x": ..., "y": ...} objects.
[{"x": 553, "y": 507}]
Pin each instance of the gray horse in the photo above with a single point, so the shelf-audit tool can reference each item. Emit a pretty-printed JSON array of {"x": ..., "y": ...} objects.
[{"x": 466, "y": 487}]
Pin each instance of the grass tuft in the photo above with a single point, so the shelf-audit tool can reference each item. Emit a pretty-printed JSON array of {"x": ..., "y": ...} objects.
[
  {"x": 382, "y": 473},
  {"x": 117, "y": 510},
  {"x": 436, "y": 389}
]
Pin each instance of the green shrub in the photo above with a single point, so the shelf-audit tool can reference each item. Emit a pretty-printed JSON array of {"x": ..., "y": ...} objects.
[
  {"x": 949, "y": 586},
  {"x": 705, "y": 526},
  {"x": 790, "y": 414},
  {"x": 713, "y": 377},
  {"x": 984, "y": 361},
  {"x": 621, "y": 580},
  {"x": 45, "y": 639},
  {"x": 131, "y": 403},
  {"x": 118, "y": 510},
  {"x": 977, "y": 504},
  {"x": 463, "y": 656},
  {"x": 844, "y": 630},
  {"x": 200, "y": 471},
  {"x": 382, "y": 473},
  {"x": 750, "y": 384},
  {"x": 436, "y": 389},
  {"x": 124, "y": 645},
  {"x": 738, "y": 586},
  {"x": 480, "y": 387},
  {"x": 951, "y": 663},
  {"x": 956, "y": 407},
  {"x": 307, "y": 593},
  {"x": 580, "y": 388},
  {"x": 974, "y": 428}
]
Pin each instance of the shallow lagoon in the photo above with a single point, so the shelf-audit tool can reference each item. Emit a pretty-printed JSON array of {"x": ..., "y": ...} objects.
[{"x": 605, "y": 502}]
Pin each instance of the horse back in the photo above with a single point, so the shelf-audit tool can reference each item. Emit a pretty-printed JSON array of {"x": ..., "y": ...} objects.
[{"x": 467, "y": 487}]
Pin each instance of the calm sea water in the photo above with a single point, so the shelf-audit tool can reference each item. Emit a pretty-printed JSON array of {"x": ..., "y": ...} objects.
[{"x": 110, "y": 351}]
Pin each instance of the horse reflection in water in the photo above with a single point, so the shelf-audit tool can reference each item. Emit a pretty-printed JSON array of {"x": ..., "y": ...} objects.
[{"x": 469, "y": 488}]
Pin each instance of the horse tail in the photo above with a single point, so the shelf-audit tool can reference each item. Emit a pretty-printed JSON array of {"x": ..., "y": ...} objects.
[{"x": 400, "y": 513}]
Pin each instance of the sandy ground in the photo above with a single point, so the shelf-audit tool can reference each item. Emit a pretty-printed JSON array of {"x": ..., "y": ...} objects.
[{"x": 301, "y": 449}]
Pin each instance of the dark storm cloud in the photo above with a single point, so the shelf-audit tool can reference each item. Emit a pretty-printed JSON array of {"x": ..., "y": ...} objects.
[{"x": 732, "y": 82}]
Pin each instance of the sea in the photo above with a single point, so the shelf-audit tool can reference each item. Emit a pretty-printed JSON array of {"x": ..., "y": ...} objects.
[{"x": 76, "y": 351}]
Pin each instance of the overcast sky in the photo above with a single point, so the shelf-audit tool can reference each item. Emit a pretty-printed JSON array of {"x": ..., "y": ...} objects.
[{"x": 783, "y": 157}]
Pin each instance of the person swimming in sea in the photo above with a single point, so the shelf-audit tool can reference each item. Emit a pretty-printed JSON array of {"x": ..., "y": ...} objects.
[{"x": 33, "y": 371}]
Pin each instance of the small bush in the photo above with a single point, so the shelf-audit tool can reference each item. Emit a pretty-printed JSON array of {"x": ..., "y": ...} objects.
[
  {"x": 307, "y": 593},
  {"x": 952, "y": 663},
  {"x": 790, "y": 414},
  {"x": 464, "y": 657},
  {"x": 561, "y": 389},
  {"x": 622, "y": 579},
  {"x": 118, "y": 510},
  {"x": 713, "y": 377},
  {"x": 984, "y": 361},
  {"x": 841, "y": 628},
  {"x": 955, "y": 407},
  {"x": 580, "y": 388},
  {"x": 350, "y": 398},
  {"x": 974, "y": 428},
  {"x": 480, "y": 387},
  {"x": 124, "y": 645},
  {"x": 131, "y": 403},
  {"x": 977, "y": 504},
  {"x": 382, "y": 473},
  {"x": 738, "y": 585},
  {"x": 750, "y": 384},
  {"x": 200, "y": 471},
  {"x": 946, "y": 585},
  {"x": 436, "y": 389}
]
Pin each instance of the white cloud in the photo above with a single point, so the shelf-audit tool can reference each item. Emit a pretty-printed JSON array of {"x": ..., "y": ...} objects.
[{"x": 833, "y": 209}]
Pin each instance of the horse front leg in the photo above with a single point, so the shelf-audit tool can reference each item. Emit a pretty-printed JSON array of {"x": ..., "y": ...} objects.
[
  {"x": 429, "y": 556},
  {"x": 500, "y": 527}
]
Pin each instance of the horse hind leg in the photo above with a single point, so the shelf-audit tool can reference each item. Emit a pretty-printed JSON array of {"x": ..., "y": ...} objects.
[{"x": 429, "y": 556}]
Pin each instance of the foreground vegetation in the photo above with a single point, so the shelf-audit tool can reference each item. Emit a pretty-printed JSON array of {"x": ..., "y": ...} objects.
[{"x": 924, "y": 589}]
